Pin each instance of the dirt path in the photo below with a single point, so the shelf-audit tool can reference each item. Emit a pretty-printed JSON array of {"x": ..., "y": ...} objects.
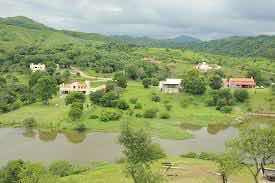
[
  {"x": 263, "y": 114},
  {"x": 82, "y": 74}
]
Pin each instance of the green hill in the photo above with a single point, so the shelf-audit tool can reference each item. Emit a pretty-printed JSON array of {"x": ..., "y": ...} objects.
[
  {"x": 177, "y": 42},
  {"x": 259, "y": 46}
]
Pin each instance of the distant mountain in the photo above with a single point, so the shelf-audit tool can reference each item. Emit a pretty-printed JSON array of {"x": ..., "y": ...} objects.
[
  {"x": 180, "y": 41},
  {"x": 21, "y": 21},
  {"x": 185, "y": 39},
  {"x": 258, "y": 46}
]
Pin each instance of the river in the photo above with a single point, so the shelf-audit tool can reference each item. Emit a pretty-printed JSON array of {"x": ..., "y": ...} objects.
[{"x": 16, "y": 143}]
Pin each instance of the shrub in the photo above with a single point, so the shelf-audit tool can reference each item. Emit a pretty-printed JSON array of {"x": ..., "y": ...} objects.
[
  {"x": 93, "y": 116},
  {"x": 156, "y": 98},
  {"x": 155, "y": 81},
  {"x": 146, "y": 82},
  {"x": 133, "y": 100},
  {"x": 61, "y": 168},
  {"x": 241, "y": 95},
  {"x": 75, "y": 97},
  {"x": 109, "y": 115},
  {"x": 168, "y": 107},
  {"x": 150, "y": 113},
  {"x": 164, "y": 115},
  {"x": 190, "y": 155},
  {"x": 109, "y": 99},
  {"x": 226, "y": 109},
  {"x": 76, "y": 111},
  {"x": 96, "y": 96},
  {"x": 138, "y": 106},
  {"x": 29, "y": 122},
  {"x": 207, "y": 156},
  {"x": 122, "y": 104},
  {"x": 139, "y": 115}
]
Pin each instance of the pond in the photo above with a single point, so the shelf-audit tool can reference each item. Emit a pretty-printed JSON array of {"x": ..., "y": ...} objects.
[{"x": 85, "y": 147}]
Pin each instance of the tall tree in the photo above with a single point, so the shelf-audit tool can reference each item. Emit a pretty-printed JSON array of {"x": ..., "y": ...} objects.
[
  {"x": 140, "y": 153},
  {"x": 45, "y": 88},
  {"x": 254, "y": 145}
]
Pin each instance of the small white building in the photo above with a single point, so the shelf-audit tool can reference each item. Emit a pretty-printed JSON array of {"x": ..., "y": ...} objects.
[
  {"x": 75, "y": 87},
  {"x": 204, "y": 67},
  {"x": 37, "y": 67},
  {"x": 170, "y": 85}
]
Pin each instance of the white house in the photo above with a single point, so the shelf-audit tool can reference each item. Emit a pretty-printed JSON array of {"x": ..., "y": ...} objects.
[
  {"x": 204, "y": 67},
  {"x": 75, "y": 87},
  {"x": 37, "y": 67},
  {"x": 170, "y": 85}
]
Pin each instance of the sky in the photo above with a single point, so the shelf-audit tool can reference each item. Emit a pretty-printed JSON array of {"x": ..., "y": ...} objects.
[{"x": 204, "y": 19}]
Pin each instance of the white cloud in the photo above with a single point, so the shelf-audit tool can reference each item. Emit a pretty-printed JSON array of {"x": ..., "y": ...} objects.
[{"x": 159, "y": 18}]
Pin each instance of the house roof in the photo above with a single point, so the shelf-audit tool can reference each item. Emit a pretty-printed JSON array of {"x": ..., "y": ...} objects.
[
  {"x": 172, "y": 82},
  {"x": 248, "y": 81}
]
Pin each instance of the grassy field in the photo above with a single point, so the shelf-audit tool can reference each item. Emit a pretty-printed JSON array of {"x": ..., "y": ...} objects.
[
  {"x": 186, "y": 110},
  {"x": 194, "y": 171}
]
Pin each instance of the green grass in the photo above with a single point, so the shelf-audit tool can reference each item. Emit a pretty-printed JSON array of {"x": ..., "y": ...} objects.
[{"x": 195, "y": 171}]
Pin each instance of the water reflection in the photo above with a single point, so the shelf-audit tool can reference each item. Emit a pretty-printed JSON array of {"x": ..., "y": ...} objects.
[
  {"x": 47, "y": 136},
  {"x": 29, "y": 133},
  {"x": 211, "y": 128},
  {"x": 75, "y": 137}
]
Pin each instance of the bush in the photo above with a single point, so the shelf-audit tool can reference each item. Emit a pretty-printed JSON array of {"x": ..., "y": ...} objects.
[
  {"x": 190, "y": 155},
  {"x": 168, "y": 107},
  {"x": 146, "y": 82},
  {"x": 133, "y": 100},
  {"x": 150, "y": 113},
  {"x": 61, "y": 168},
  {"x": 76, "y": 111},
  {"x": 155, "y": 82},
  {"x": 164, "y": 115},
  {"x": 226, "y": 109},
  {"x": 29, "y": 122},
  {"x": 93, "y": 116},
  {"x": 156, "y": 98},
  {"x": 138, "y": 106},
  {"x": 122, "y": 104},
  {"x": 241, "y": 95},
  {"x": 75, "y": 97},
  {"x": 109, "y": 115},
  {"x": 139, "y": 115},
  {"x": 207, "y": 156}
]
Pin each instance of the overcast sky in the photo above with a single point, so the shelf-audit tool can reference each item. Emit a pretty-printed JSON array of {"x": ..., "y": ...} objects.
[{"x": 205, "y": 19}]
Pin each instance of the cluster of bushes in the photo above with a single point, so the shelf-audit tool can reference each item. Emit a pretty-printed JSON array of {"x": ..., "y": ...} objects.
[
  {"x": 147, "y": 82},
  {"x": 223, "y": 99},
  {"x": 110, "y": 115},
  {"x": 76, "y": 100},
  {"x": 21, "y": 171}
]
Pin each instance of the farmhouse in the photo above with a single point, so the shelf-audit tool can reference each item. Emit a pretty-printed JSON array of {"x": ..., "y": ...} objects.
[
  {"x": 170, "y": 85},
  {"x": 240, "y": 83},
  {"x": 37, "y": 67},
  {"x": 204, "y": 67},
  {"x": 75, "y": 87}
]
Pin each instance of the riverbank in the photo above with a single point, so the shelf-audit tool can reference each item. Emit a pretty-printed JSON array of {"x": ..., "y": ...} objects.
[{"x": 194, "y": 171}]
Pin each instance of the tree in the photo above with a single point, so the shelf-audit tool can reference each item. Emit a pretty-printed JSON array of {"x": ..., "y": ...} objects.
[
  {"x": 140, "y": 153},
  {"x": 75, "y": 97},
  {"x": 241, "y": 95},
  {"x": 61, "y": 168},
  {"x": 32, "y": 173},
  {"x": 76, "y": 111},
  {"x": 194, "y": 83},
  {"x": 215, "y": 82},
  {"x": 227, "y": 164},
  {"x": 256, "y": 74},
  {"x": 256, "y": 146},
  {"x": 96, "y": 96},
  {"x": 121, "y": 80},
  {"x": 12, "y": 171},
  {"x": 146, "y": 82},
  {"x": 45, "y": 88}
]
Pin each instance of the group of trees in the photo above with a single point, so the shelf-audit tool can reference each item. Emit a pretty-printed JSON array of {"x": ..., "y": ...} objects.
[
  {"x": 27, "y": 172},
  {"x": 253, "y": 148},
  {"x": 76, "y": 100}
]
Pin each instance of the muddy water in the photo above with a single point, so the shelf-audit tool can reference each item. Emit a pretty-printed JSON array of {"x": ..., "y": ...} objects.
[{"x": 82, "y": 148}]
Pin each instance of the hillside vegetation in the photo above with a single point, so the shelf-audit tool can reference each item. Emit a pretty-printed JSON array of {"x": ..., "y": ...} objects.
[{"x": 259, "y": 46}]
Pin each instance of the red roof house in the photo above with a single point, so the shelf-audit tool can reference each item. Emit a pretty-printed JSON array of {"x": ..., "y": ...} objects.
[{"x": 240, "y": 83}]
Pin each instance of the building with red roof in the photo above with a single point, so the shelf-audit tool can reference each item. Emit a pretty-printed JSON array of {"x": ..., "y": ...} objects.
[{"x": 240, "y": 83}]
